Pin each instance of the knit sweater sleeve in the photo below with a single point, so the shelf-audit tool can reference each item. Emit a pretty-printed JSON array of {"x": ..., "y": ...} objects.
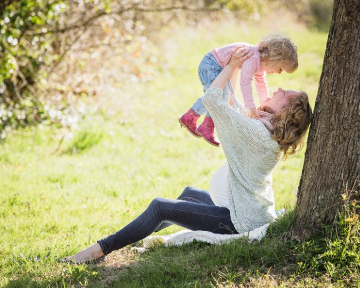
[{"x": 233, "y": 127}]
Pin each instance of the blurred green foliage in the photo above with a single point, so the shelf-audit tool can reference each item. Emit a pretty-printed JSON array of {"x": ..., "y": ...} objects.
[
  {"x": 320, "y": 14},
  {"x": 54, "y": 53},
  {"x": 25, "y": 47},
  {"x": 315, "y": 13},
  {"x": 36, "y": 38},
  {"x": 84, "y": 140}
]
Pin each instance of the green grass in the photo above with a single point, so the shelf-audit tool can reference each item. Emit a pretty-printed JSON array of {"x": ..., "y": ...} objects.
[{"x": 60, "y": 191}]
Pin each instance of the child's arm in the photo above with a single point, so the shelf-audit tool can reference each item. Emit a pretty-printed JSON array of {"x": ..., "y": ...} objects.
[
  {"x": 247, "y": 74},
  {"x": 261, "y": 86}
]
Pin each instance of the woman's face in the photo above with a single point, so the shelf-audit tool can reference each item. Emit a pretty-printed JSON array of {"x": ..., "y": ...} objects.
[{"x": 280, "y": 98}]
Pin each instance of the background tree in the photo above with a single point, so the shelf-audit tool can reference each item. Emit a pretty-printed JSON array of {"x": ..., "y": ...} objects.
[{"x": 332, "y": 161}]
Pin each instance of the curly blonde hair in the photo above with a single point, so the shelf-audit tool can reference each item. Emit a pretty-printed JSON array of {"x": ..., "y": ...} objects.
[
  {"x": 277, "y": 50},
  {"x": 291, "y": 123}
]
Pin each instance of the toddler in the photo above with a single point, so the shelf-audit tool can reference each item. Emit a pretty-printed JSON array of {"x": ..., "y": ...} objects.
[{"x": 273, "y": 54}]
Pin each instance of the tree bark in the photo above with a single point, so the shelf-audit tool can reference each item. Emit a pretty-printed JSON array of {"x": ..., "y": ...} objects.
[{"x": 332, "y": 159}]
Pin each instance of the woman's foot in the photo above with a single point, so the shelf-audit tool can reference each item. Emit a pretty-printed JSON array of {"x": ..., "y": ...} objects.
[
  {"x": 207, "y": 131},
  {"x": 91, "y": 255},
  {"x": 188, "y": 120}
]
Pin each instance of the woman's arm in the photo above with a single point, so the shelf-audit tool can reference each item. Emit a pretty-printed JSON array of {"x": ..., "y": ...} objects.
[
  {"x": 232, "y": 127},
  {"x": 233, "y": 80},
  {"x": 232, "y": 68},
  {"x": 225, "y": 74}
]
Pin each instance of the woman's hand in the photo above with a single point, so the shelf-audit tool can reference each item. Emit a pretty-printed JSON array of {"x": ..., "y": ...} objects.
[
  {"x": 236, "y": 61},
  {"x": 239, "y": 56}
]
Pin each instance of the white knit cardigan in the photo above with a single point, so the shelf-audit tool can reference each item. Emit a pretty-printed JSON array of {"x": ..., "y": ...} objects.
[{"x": 251, "y": 155}]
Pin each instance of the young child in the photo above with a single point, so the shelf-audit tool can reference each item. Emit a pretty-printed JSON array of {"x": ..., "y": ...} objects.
[{"x": 273, "y": 54}]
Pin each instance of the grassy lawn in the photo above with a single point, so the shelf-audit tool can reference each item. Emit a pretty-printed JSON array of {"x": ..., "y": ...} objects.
[{"x": 58, "y": 197}]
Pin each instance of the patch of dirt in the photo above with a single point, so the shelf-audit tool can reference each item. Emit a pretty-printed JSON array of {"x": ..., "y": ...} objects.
[{"x": 116, "y": 262}]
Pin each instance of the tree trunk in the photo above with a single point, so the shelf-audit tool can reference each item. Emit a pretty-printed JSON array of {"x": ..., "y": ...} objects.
[{"x": 332, "y": 159}]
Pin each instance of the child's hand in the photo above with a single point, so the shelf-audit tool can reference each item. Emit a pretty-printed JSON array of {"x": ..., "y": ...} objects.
[{"x": 253, "y": 114}]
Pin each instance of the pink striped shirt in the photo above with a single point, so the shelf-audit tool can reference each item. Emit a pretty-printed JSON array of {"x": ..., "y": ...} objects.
[{"x": 250, "y": 70}]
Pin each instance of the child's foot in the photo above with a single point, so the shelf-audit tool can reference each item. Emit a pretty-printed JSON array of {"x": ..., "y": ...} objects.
[
  {"x": 206, "y": 130},
  {"x": 188, "y": 120}
]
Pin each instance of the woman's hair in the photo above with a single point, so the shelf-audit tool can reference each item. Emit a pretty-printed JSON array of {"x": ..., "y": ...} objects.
[
  {"x": 278, "y": 50},
  {"x": 291, "y": 123}
]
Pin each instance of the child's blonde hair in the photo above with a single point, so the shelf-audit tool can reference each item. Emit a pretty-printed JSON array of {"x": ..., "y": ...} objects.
[
  {"x": 291, "y": 124},
  {"x": 280, "y": 51}
]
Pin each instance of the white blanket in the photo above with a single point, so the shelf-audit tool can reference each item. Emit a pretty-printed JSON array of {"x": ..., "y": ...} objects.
[{"x": 187, "y": 236}]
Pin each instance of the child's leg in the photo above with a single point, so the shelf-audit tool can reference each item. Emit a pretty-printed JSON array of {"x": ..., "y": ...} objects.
[
  {"x": 208, "y": 70},
  {"x": 207, "y": 128},
  {"x": 207, "y": 75}
]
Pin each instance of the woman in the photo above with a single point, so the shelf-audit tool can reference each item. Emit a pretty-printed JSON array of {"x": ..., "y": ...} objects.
[{"x": 253, "y": 147}]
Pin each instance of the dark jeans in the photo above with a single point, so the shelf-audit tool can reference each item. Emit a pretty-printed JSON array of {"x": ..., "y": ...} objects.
[{"x": 193, "y": 210}]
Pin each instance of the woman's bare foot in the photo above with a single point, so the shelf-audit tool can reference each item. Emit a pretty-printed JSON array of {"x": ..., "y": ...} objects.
[{"x": 93, "y": 253}]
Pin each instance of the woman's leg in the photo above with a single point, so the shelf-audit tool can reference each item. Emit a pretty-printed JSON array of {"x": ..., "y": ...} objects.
[
  {"x": 191, "y": 194},
  {"x": 190, "y": 215},
  {"x": 196, "y": 195}
]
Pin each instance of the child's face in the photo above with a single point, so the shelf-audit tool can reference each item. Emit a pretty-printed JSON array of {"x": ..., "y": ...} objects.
[
  {"x": 280, "y": 98},
  {"x": 274, "y": 69}
]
